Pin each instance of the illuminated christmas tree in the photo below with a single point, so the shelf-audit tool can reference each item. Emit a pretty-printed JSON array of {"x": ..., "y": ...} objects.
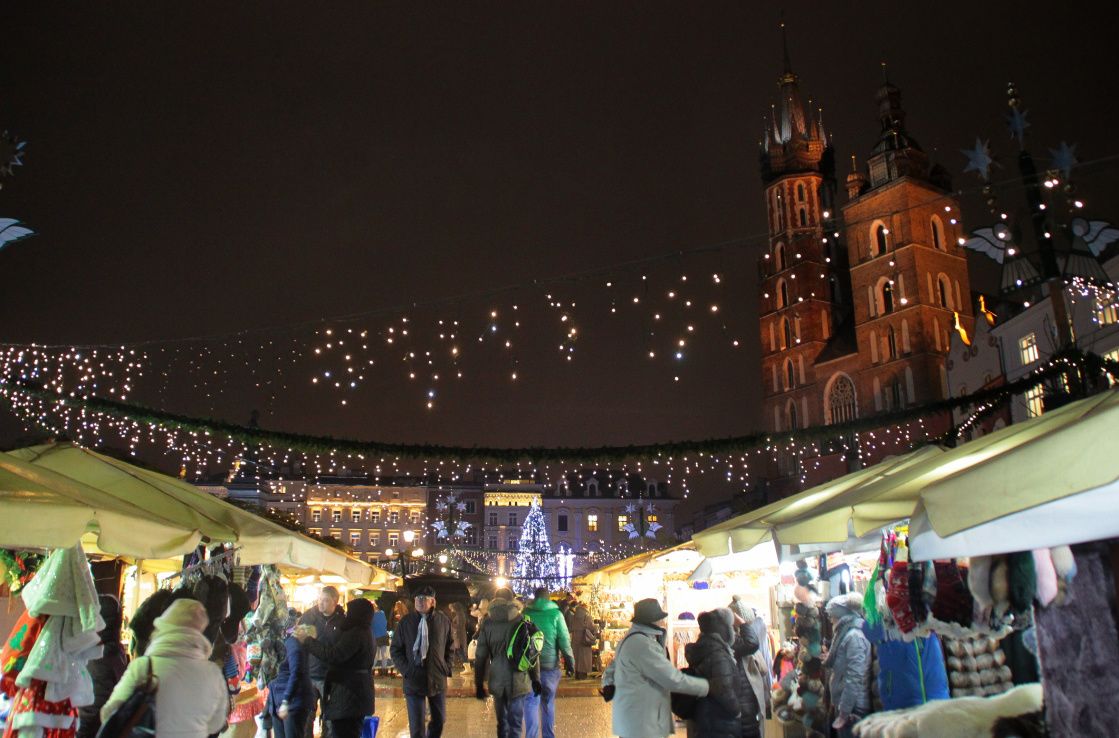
[{"x": 536, "y": 562}]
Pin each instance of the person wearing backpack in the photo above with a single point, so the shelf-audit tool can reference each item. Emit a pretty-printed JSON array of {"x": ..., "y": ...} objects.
[
  {"x": 508, "y": 681},
  {"x": 719, "y": 714},
  {"x": 540, "y": 710},
  {"x": 192, "y": 700},
  {"x": 640, "y": 679}
]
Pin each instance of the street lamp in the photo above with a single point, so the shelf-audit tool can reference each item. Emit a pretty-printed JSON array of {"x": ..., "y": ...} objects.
[{"x": 405, "y": 552}]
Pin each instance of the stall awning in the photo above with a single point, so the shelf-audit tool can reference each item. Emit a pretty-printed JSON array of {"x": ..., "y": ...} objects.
[
  {"x": 1049, "y": 481},
  {"x": 614, "y": 573},
  {"x": 820, "y": 514},
  {"x": 43, "y": 509},
  {"x": 260, "y": 541}
]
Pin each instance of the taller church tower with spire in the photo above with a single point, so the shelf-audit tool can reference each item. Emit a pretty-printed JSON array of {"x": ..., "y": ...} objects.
[{"x": 803, "y": 281}]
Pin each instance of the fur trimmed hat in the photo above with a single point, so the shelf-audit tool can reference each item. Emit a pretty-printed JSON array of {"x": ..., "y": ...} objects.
[
  {"x": 184, "y": 613},
  {"x": 845, "y": 604}
]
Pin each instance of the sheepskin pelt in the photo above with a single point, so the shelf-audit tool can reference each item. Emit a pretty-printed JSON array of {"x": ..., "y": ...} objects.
[
  {"x": 1079, "y": 650},
  {"x": 965, "y": 717}
]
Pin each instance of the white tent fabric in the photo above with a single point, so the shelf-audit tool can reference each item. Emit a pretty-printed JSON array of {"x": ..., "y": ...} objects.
[
  {"x": 42, "y": 509},
  {"x": 1088, "y": 516}
]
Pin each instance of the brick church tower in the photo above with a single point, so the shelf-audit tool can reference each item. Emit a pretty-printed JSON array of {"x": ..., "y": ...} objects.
[
  {"x": 909, "y": 276},
  {"x": 855, "y": 313},
  {"x": 802, "y": 275}
]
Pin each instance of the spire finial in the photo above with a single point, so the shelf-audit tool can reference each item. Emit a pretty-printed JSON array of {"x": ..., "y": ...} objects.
[
  {"x": 785, "y": 45},
  {"x": 885, "y": 73},
  {"x": 854, "y": 164}
]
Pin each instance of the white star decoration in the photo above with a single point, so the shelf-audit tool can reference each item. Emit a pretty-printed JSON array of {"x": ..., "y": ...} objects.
[{"x": 979, "y": 159}]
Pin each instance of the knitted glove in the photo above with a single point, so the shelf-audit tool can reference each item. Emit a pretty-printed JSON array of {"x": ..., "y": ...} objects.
[{"x": 897, "y": 597}]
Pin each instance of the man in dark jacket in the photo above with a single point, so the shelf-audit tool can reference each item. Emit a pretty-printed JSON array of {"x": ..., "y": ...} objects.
[
  {"x": 105, "y": 671},
  {"x": 507, "y": 683},
  {"x": 422, "y": 649},
  {"x": 327, "y": 619}
]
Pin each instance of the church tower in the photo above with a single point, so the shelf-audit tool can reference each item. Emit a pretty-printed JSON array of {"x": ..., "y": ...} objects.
[
  {"x": 909, "y": 276},
  {"x": 802, "y": 274}
]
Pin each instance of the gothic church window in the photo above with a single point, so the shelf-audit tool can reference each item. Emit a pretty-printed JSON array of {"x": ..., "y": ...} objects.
[
  {"x": 944, "y": 292},
  {"x": 782, "y": 293},
  {"x": 937, "y": 233},
  {"x": 779, "y": 257},
  {"x": 790, "y": 375},
  {"x": 878, "y": 244},
  {"x": 840, "y": 401}
]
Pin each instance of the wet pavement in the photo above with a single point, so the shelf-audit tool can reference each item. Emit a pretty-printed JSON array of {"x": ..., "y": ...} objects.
[{"x": 576, "y": 717}]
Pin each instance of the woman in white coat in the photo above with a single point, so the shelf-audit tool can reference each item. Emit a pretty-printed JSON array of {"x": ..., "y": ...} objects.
[
  {"x": 192, "y": 701},
  {"x": 642, "y": 678}
]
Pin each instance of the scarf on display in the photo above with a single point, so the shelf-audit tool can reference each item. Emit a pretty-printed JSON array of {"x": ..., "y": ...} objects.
[{"x": 419, "y": 650}]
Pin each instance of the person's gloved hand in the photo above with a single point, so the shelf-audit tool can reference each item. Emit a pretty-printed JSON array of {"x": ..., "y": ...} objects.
[
  {"x": 480, "y": 693},
  {"x": 536, "y": 687}
]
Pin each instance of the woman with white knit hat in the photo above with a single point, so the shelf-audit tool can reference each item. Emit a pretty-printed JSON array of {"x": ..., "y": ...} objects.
[{"x": 192, "y": 701}]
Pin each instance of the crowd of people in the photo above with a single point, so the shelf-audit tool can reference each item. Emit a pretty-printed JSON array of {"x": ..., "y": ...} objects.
[{"x": 519, "y": 650}]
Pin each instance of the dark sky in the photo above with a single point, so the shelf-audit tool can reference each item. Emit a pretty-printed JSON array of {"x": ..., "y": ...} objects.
[{"x": 205, "y": 167}]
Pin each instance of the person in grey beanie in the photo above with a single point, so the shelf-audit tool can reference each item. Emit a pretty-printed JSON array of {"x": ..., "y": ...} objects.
[{"x": 640, "y": 679}]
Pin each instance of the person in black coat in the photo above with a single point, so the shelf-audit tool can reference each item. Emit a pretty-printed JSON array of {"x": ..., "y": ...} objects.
[
  {"x": 348, "y": 690},
  {"x": 327, "y": 618},
  {"x": 746, "y": 644},
  {"x": 291, "y": 695},
  {"x": 718, "y": 714},
  {"x": 425, "y": 670},
  {"x": 105, "y": 671}
]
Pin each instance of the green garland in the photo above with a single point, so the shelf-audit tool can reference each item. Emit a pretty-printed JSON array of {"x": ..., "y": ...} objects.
[{"x": 826, "y": 436}]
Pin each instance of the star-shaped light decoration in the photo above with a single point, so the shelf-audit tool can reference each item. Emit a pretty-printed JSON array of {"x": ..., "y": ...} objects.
[
  {"x": 11, "y": 153},
  {"x": 1063, "y": 159},
  {"x": 1017, "y": 123},
  {"x": 979, "y": 159}
]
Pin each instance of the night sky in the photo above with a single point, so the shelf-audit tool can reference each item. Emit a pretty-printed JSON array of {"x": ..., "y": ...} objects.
[{"x": 202, "y": 168}]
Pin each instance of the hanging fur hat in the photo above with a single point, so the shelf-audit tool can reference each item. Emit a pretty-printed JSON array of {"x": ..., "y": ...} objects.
[
  {"x": 979, "y": 581},
  {"x": 1023, "y": 581}
]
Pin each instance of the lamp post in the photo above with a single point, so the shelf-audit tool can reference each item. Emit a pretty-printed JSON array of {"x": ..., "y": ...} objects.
[{"x": 407, "y": 552}]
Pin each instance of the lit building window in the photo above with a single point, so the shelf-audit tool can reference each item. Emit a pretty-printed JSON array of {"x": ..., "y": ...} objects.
[
  {"x": 316, "y": 515},
  {"x": 592, "y": 522},
  {"x": 1027, "y": 347},
  {"x": 1035, "y": 401},
  {"x": 623, "y": 521},
  {"x": 415, "y": 518},
  {"x": 355, "y": 515},
  {"x": 355, "y": 538},
  {"x": 375, "y": 516},
  {"x": 336, "y": 534},
  {"x": 394, "y": 517},
  {"x": 374, "y": 541},
  {"x": 652, "y": 517},
  {"x": 336, "y": 516},
  {"x": 315, "y": 532},
  {"x": 1107, "y": 313},
  {"x": 1113, "y": 355},
  {"x": 394, "y": 538}
]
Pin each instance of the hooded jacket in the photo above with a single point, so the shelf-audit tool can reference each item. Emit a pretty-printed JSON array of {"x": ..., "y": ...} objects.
[
  {"x": 546, "y": 615},
  {"x": 493, "y": 641},
  {"x": 192, "y": 701},
  {"x": 643, "y": 679},
  {"x": 849, "y": 664},
  {"x": 718, "y": 714}
]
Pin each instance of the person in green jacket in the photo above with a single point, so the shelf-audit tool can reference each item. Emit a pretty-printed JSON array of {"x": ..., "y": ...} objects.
[
  {"x": 507, "y": 685},
  {"x": 540, "y": 710}
]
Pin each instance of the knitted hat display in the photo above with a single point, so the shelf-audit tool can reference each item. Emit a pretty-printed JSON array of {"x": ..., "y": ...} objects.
[
  {"x": 953, "y": 603},
  {"x": 897, "y": 597}
]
